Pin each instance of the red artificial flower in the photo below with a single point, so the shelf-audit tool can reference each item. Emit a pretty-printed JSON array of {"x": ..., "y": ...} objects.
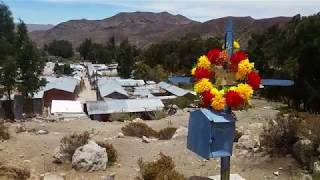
[
  {"x": 233, "y": 99},
  {"x": 254, "y": 80},
  {"x": 206, "y": 97},
  {"x": 202, "y": 73},
  {"x": 238, "y": 57},
  {"x": 222, "y": 58},
  {"x": 213, "y": 55}
]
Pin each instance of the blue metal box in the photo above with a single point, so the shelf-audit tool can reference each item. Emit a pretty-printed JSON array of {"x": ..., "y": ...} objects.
[{"x": 211, "y": 133}]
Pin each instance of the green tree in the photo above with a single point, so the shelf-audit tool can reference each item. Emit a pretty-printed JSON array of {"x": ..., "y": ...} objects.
[
  {"x": 86, "y": 49},
  {"x": 7, "y": 34},
  {"x": 126, "y": 56},
  {"x": 9, "y": 75},
  {"x": 60, "y": 48},
  {"x": 29, "y": 63}
]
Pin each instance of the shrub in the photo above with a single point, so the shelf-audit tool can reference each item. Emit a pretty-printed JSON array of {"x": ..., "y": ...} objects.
[
  {"x": 138, "y": 129},
  {"x": 14, "y": 173},
  {"x": 162, "y": 169},
  {"x": 166, "y": 133},
  {"x": 111, "y": 151},
  {"x": 280, "y": 134},
  {"x": 70, "y": 143},
  {"x": 160, "y": 115},
  {"x": 183, "y": 102},
  {"x": 4, "y": 132}
]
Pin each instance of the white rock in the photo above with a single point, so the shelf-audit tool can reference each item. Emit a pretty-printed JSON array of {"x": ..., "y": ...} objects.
[
  {"x": 248, "y": 142},
  {"x": 21, "y": 128},
  {"x": 59, "y": 156},
  {"x": 137, "y": 120},
  {"x": 52, "y": 176},
  {"x": 120, "y": 135},
  {"x": 41, "y": 132},
  {"x": 109, "y": 177},
  {"x": 148, "y": 140},
  {"x": 276, "y": 173},
  {"x": 232, "y": 177},
  {"x": 27, "y": 161},
  {"x": 90, "y": 157},
  {"x": 180, "y": 132}
]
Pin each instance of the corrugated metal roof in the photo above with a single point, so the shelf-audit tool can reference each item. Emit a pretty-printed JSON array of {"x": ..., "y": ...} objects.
[
  {"x": 131, "y": 82},
  {"x": 276, "y": 82},
  {"x": 180, "y": 79},
  {"x": 68, "y": 84},
  {"x": 107, "y": 86},
  {"x": 125, "y": 105},
  {"x": 174, "y": 89}
]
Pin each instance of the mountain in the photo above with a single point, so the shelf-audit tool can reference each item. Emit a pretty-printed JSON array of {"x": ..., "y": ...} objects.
[
  {"x": 39, "y": 27},
  {"x": 145, "y": 28}
]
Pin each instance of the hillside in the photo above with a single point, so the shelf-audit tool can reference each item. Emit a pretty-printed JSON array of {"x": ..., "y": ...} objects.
[
  {"x": 39, "y": 27},
  {"x": 144, "y": 28}
]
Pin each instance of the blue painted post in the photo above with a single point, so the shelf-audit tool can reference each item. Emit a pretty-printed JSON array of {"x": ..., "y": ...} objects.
[{"x": 225, "y": 161}]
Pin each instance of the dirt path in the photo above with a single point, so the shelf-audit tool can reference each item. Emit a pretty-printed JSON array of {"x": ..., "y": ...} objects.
[{"x": 39, "y": 149}]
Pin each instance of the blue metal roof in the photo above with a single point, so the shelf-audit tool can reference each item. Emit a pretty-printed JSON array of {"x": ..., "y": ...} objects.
[
  {"x": 174, "y": 89},
  {"x": 180, "y": 79},
  {"x": 277, "y": 82}
]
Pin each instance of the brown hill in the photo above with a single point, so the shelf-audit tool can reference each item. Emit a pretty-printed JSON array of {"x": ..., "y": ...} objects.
[{"x": 144, "y": 28}]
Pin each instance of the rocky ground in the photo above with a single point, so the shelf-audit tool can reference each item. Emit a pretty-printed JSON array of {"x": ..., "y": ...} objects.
[{"x": 35, "y": 151}]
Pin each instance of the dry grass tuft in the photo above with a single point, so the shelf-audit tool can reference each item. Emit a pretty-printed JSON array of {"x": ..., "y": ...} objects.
[
  {"x": 138, "y": 129},
  {"x": 8, "y": 172},
  {"x": 281, "y": 133},
  {"x": 4, "y": 132},
  {"x": 111, "y": 151},
  {"x": 166, "y": 133},
  {"x": 162, "y": 169},
  {"x": 70, "y": 143}
]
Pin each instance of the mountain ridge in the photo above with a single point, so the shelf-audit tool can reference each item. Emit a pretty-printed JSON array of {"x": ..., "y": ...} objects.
[{"x": 145, "y": 28}]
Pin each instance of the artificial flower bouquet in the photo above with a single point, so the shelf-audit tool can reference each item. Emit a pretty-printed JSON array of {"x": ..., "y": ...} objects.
[{"x": 224, "y": 82}]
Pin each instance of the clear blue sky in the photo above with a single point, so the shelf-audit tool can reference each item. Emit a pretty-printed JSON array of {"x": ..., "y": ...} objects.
[{"x": 56, "y": 11}]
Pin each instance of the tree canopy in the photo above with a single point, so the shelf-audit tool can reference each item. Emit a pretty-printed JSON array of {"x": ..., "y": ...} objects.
[
  {"x": 60, "y": 48},
  {"x": 291, "y": 52}
]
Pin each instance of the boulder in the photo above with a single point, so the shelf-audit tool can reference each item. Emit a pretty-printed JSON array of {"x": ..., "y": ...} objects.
[
  {"x": 59, "y": 156},
  {"x": 302, "y": 150},
  {"x": 180, "y": 132},
  {"x": 90, "y": 157},
  {"x": 137, "y": 120},
  {"x": 21, "y": 128},
  {"x": 120, "y": 135},
  {"x": 248, "y": 142},
  {"x": 238, "y": 133}
]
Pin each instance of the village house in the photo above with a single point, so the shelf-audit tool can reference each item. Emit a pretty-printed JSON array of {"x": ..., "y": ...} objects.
[
  {"x": 101, "y": 110},
  {"x": 110, "y": 89}
]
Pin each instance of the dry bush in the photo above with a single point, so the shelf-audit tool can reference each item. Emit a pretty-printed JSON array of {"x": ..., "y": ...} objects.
[
  {"x": 166, "y": 133},
  {"x": 138, "y": 129},
  {"x": 111, "y": 151},
  {"x": 70, "y": 143},
  {"x": 281, "y": 133},
  {"x": 4, "y": 132},
  {"x": 162, "y": 169},
  {"x": 13, "y": 173}
]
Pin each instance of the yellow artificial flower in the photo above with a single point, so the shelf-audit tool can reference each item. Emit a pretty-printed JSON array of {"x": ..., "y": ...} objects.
[
  {"x": 204, "y": 62},
  {"x": 203, "y": 85},
  {"x": 244, "y": 68},
  {"x": 215, "y": 91},
  {"x": 236, "y": 45},
  {"x": 193, "y": 70},
  {"x": 218, "y": 102},
  {"x": 245, "y": 91}
]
